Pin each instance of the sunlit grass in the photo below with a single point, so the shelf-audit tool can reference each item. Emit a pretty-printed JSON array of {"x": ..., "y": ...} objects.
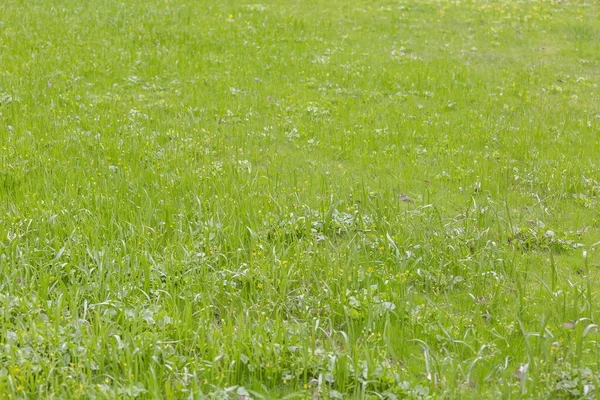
[{"x": 319, "y": 199}]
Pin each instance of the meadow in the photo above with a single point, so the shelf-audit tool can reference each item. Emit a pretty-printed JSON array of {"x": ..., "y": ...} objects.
[{"x": 322, "y": 199}]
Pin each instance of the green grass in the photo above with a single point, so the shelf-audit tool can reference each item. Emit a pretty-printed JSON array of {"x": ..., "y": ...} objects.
[{"x": 319, "y": 199}]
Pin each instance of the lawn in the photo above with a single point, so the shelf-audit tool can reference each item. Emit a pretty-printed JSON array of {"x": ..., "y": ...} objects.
[{"x": 320, "y": 199}]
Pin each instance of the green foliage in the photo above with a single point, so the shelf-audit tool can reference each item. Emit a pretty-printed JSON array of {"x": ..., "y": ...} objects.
[
  {"x": 319, "y": 199},
  {"x": 574, "y": 383}
]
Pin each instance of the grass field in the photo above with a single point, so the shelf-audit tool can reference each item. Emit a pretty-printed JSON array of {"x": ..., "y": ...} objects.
[{"x": 317, "y": 199}]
